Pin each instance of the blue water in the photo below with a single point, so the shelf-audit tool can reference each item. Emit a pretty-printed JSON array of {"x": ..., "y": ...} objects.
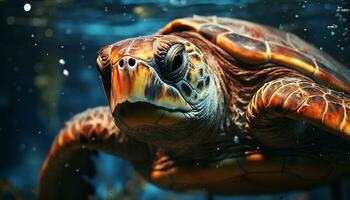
[{"x": 38, "y": 93}]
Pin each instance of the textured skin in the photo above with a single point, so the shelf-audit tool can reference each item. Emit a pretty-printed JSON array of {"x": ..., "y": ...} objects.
[
  {"x": 257, "y": 44},
  {"x": 69, "y": 162},
  {"x": 299, "y": 99}
]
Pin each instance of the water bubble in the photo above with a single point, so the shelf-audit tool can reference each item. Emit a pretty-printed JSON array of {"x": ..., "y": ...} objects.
[
  {"x": 27, "y": 7},
  {"x": 32, "y": 35},
  {"x": 65, "y": 72},
  {"x": 66, "y": 165},
  {"x": 236, "y": 139},
  {"x": 61, "y": 61},
  {"x": 333, "y": 26},
  {"x": 332, "y": 33}
]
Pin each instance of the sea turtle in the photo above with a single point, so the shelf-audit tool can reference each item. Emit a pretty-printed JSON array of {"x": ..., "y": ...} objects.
[{"x": 215, "y": 104}]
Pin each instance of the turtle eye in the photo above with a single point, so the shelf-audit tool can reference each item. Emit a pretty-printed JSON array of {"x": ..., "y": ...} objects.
[{"x": 174, "y": 64}]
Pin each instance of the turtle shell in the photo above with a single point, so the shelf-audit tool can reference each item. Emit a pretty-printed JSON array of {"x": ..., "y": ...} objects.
[{"x": 256, "y": 45}]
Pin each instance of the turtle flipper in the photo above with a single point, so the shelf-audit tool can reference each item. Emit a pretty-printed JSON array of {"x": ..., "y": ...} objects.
[
  {"x": 291, "y": 99},
  {"x": 64, "y": 173}
]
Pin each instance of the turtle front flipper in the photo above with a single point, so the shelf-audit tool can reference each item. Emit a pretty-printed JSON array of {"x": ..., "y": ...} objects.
[
  {"x": 64, "y": 173},
  {"x": 286, "y": 100}
]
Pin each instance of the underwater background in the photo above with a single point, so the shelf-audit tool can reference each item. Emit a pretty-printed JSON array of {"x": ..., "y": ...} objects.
[{"x": 48, "y": 74}]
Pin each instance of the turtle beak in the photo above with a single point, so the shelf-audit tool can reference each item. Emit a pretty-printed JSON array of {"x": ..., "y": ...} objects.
[
  {"x": 138, "y": 95},
  {"x": 133, "y": 80}
]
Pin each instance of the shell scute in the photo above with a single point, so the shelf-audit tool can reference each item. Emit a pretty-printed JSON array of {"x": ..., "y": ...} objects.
[
  {"x": 291, "y": 58},
  {"x": 211, "y": 31},
  {"x": 260, "y": 44},
  {"x": 244, "y": 48}
]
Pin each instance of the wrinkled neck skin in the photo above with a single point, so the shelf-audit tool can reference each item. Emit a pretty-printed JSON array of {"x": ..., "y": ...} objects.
[{"x": 201, "y": 127}]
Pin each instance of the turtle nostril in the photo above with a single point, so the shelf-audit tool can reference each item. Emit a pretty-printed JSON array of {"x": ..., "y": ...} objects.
[
  {"x": 131, "y": 62},
  {"x": 121, "y": 63}
]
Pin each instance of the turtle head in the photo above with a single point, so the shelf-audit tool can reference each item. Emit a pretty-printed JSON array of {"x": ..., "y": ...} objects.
[{"x": 160, "y": 88}]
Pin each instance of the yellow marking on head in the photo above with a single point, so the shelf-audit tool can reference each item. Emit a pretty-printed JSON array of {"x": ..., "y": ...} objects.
[
  {"x": 191, "y": 76},
  {"x": 140, "y": 80},
  {"x": 169, "y": 101},
  {"x": 195, "y": 59},
  {"x": 189, "y": 48}
]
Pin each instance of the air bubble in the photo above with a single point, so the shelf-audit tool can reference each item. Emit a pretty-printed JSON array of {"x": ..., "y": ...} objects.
[
  {"x": 61, "y": 61},
  {"x": 65, "y": 72},
  {"x": 27, "y": 7},
  {"x": 236, "y": 139}
]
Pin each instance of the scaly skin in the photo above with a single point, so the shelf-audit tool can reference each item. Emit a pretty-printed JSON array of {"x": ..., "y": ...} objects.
[
  {"x": 61, "y": 176},
  {"x": 298, "y": 99}
]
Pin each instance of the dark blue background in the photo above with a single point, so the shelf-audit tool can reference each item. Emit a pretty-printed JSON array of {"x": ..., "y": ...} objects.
[{"x": 36, "y": 98}]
